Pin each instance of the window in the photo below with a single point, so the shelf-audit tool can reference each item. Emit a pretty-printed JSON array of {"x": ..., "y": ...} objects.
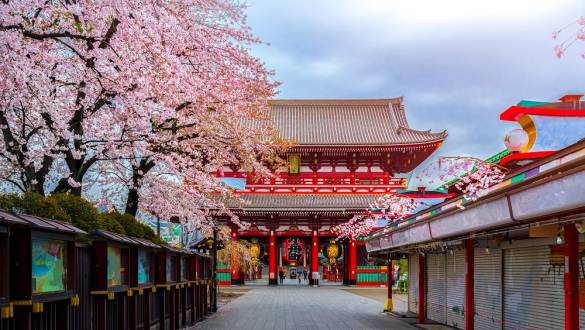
[
  {"x": 171, "y": 269},
  {"x": 115, "y": 266},
  {"x": 184, "y": 269},
  {"x": 144, "y": 267},
  {"x": 49, "y": 265}
]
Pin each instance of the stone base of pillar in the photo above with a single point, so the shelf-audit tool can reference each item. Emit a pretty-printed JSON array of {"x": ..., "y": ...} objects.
[
  {"x": 351, "y": 282},
  {"x": 272, "y": 282},
  {"x": 314, "y": 283},
  {"x": 388, "y": 305},
  {"x": 237, "y": 281}
]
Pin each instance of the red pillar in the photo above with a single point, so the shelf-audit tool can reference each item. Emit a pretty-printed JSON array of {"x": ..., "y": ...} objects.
[
  {"x": 235, "y": 267},
  {"x": 314, "y": 256},
  {"x": 352, "y": 262},
  {"x": 272, "y": 275},
  {"x": 421, "y": 289},
  {"x": 469, "y": 285},
  {"x": 571, "y": 277}
]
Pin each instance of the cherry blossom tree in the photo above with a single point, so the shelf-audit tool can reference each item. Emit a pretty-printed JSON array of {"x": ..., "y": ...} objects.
[
  {"x": 392, "y": 206},
  {"x": 568, "y": 35},
  {"x": 156, "y": 94},
  {"x": 471, "y": 176}
]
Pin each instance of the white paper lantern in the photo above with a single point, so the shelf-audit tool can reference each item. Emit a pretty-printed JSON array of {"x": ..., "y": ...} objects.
[{"x": 516, "y": 139}]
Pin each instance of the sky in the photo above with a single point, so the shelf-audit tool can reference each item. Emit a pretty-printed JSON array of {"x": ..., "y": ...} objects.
[{"x": 457, "y": 63}]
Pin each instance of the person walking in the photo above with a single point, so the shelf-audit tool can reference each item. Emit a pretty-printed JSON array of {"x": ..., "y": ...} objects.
[
  {"x": 305, "y": 273},
  {"x": 281, "y": 276},
  {"x": 299, "y": 277}
]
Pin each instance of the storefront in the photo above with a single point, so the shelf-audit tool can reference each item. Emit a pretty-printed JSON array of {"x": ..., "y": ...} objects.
[
  {"x": 41, "y": 254},
  {"x": 510, "y": 260}
]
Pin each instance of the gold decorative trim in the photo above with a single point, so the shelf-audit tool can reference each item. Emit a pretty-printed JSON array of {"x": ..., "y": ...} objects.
[
  {"x": 37, "y": 307},
  {"x": 530, "y": 128},
  {"x": 164, "y": 286},
  {"x": 21, "y": 302},
  {"x": 7, "y": 312}
]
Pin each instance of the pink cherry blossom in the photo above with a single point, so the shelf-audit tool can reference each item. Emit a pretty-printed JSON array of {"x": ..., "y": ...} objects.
[
  {"x": 142, "y": 102},
  {"x": 393, "y": 206}
]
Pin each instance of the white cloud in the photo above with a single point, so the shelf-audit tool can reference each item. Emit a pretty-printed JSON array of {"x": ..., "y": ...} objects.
[{"x": 458, "y": 63}]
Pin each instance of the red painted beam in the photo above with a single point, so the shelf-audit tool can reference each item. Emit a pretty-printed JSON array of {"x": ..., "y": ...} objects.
[
  {"x": 254, "y": 233},
  {"x": 525, "y": 155},
  {"x": 571, "y": 250},
  {"x": 469, "y": 284},
  {"x": 293, "y": 233},
  {"x": 514, "y": 112}
]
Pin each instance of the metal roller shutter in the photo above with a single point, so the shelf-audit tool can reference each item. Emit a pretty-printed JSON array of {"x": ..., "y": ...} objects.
[
  {"x": 533, "y": 290},
  {"x": 488, "y": 289},
  {"x": 436, "y": 288},
  {"x": 413, "y": 283},
  {"x": 455, "y": 271}
]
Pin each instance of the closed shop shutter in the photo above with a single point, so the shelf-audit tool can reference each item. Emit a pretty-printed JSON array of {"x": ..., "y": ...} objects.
[
  {"x": 455, "y": 270},
  {"x": 436, "y": 294},
  {"x": 413, "y": 283},
  {"x": 488, "y": 289},
  {"x": 533, "y": 289}
]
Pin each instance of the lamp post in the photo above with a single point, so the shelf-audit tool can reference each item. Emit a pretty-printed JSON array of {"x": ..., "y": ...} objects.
[{"x": 214, "y": 271}]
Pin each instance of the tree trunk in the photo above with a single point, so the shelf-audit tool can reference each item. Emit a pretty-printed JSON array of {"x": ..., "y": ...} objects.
[{"x": 138, "y": 173}]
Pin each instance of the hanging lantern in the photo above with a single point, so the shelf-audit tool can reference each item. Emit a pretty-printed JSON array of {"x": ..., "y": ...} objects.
[
  {"x": 333, "y": 250},
  {"x": 294, "y": 249}
]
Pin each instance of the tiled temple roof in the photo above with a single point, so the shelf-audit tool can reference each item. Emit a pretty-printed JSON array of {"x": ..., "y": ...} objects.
[
  {"x": 380, "y": 122},
  {"x": 300, "y": 202}
]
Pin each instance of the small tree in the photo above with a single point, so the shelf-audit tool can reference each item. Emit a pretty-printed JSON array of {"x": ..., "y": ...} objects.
[{"x": 235, "y": 253}]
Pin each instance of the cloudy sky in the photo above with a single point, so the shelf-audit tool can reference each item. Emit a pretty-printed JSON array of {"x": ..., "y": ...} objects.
[{"x": 458, "y": 63}]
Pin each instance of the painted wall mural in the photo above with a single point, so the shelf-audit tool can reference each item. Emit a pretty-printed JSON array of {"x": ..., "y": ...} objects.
[
  {"x": 115, "y": 276},
  {"x": 144, "y": 267},
  {"x": 48, "y": 265}
]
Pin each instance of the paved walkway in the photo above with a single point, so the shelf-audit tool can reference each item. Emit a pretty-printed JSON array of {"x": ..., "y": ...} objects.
[{"x": 289, "y": 307}]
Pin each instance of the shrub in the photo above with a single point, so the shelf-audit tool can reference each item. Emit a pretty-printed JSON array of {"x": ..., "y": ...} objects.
[
  {"x": 132, "y": 227},
  {"x": 81, "y": 213},
  {"x": 34, "y": 204},
  {"x": 109, "y": 221},
  {"x": 150, "y": 235}
]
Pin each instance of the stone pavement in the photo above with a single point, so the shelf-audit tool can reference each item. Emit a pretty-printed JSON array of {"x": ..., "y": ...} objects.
[{"x": 302, "y": 307}]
